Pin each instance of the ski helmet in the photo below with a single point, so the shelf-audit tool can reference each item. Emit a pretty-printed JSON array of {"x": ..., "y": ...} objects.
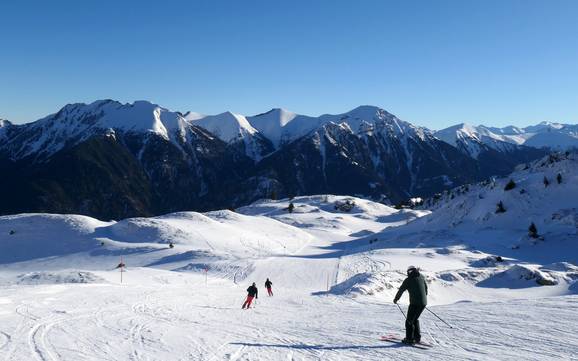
[{"x": 411, "y": 269}]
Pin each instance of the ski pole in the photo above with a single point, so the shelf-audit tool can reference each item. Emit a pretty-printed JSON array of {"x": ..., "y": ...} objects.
[
  {"x": 400, "y": 310},
  {"x": 439, "y": 318}
]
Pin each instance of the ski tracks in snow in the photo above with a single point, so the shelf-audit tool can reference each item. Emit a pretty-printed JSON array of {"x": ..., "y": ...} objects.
[
  {"x": 165, "y": 322},
  {"x": 5, "y": 340}
]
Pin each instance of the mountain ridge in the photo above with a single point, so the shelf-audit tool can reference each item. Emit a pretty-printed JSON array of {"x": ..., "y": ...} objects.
[{"x": 114, "y": 160}]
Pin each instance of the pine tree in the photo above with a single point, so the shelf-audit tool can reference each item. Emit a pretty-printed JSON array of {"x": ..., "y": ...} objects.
[
  {"x": 546, "y": 182},
  {"x": 533, "y": 231},
  {"x": 500, "y": 207},
  {"x": 559, "y": 178},
  {"x": 511, "y": 185}
]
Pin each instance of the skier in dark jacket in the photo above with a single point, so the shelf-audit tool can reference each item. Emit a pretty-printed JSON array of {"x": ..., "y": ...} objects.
[
  {"x": 252, "y": 292},
  {"x": 416, "y": 285},
  {"x": 268, "y": 285}
]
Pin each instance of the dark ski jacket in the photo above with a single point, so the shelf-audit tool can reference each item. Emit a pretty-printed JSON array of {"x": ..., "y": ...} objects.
[
  {"x": 268, "y": 284},
  {"x": 253, "y": 291},
  {"x": 416, "y": 285}
]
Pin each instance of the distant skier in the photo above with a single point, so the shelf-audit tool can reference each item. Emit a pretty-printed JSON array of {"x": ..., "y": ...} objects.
[
  {"x": 416, "y": 285},
  {"x": 252, "y": 292},
  {"x": 268, "y": 285}
]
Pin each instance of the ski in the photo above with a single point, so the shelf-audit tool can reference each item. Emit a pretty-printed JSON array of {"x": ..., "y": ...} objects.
[{"x": 397, "y": 339}]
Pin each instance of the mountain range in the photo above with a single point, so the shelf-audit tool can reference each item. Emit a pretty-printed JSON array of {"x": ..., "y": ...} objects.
[{"x": 112, "y": 160}]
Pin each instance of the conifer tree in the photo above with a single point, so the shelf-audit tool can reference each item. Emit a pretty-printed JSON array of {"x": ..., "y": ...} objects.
[
  {"x": 533, "y": 231},
  {"x": 511, "y": 185},
  {"x": 500, "y": 207}
]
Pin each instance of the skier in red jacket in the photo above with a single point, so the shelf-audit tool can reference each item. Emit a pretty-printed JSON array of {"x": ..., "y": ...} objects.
[{"x": 268, "y": 285}]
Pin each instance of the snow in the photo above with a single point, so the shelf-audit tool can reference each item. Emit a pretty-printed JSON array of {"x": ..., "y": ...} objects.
[
  {"x": 367, "y": 117},
  {"x": 227, "y": 126},
  {"x": 77, "y": 122},
  {"x": 473, "y": 140},
  {"x": 281, "y": 126},
  {"x": 334, "y": 270},
  {"x": 553, "y": 135},
  {"x": 4, "y": 124}
]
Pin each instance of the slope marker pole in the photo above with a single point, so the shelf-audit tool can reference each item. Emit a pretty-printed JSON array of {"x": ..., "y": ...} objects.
[{"x": 121, "y": 269}]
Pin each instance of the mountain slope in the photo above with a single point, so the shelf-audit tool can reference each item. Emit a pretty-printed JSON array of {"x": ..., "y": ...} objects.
[
  {"x": 368, "y": 152},
  {"x": 282, "y": 127},
  {"x": 113, "y": 161},
  {"x": 496, "y": 155},
  {"x": 234, "y": 129},
  {"x": 470, "y": 213}
]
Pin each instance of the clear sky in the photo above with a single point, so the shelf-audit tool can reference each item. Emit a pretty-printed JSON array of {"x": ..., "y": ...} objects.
[{"x": 433, "y": 63}]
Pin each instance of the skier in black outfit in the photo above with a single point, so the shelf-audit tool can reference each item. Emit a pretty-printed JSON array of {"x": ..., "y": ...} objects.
[
  {"x": 416, "y": 285},
  {"x": 252, "y": 292},
  {"x": 268, "y": 285}
]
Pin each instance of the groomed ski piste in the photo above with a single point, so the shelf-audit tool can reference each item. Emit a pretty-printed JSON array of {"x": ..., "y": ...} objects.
[{"x": 335, "y": 268}]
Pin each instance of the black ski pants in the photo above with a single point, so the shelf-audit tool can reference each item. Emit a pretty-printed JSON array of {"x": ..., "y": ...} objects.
[{"x": 412, "y": 331}]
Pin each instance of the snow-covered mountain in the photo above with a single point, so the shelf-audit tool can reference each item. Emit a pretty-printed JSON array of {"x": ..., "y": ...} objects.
[
  {"x": 76, "y": 123},
  {"x": 4, "y": 125},
  {"x": 555, "y": 136},
  {"x": 110, "y": 160},
  {"x": 369, "y": 151},
  {"x": 496, "y": 153},
  {"x": 235, "y": 130},
  {"x": 282, "y": 127}
]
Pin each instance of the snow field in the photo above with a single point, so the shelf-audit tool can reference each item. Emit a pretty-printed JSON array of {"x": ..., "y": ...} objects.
[
  {"x": 185, "y": 319},
  {"x": 334, "y": 274}
]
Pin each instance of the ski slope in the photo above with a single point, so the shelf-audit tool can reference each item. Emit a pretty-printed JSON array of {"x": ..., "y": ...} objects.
[
  {"x": 334, "y": 274},
  {"x": 158, "y": 315}
]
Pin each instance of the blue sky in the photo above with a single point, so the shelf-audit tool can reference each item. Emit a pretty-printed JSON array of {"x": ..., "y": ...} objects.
[{"x": 433, "y": 63}]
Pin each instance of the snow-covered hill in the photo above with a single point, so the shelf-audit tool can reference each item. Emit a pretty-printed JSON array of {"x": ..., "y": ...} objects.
[
  {"x": 335, "y": 263},
  {"x": 544, "y": 192}
]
